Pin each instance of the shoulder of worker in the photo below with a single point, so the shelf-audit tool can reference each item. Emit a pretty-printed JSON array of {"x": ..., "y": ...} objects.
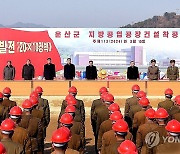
[
  {"x": 21, "y": 130},
  {"x": 106, "y": 123},
  {"x": 96, "y": 101},
  {"x": 71, "y": 151},
  {"x": 140, "y": 113},
  {"x": 166, "y": 102},
  {"x": 176, "y": 116},
  {"x": 79, "y": 101},
  {"x": 171, "y": 148},
  {"x": 109, "y": 133},
  {"x": 173, "y": 110},
  {"x": 12, "y": 147}
]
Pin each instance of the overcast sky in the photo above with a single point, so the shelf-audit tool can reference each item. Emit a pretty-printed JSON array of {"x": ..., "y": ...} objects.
[{"x": 83, "y": 13}]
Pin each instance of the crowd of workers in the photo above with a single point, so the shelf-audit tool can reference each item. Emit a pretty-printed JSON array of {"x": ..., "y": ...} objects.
[{"x": 141, "y": 129}]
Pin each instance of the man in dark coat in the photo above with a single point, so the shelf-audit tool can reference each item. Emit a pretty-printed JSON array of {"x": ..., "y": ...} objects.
[
  {"x": 132, "y": 72},
  {"x": 9, "y": 71},
  {"x": 91, "y": 71},
  {"x": 69, "y": 70},
  {"x": 49, "y": 70},
  {"x": 28, "y": 71}
]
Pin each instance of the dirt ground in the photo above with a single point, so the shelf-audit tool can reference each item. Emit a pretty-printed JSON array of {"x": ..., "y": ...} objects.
[{"x": 55, "y": 104}]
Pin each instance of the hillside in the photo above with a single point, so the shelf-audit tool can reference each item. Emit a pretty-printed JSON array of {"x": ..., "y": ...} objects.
[{"x": 168, "y": 20}]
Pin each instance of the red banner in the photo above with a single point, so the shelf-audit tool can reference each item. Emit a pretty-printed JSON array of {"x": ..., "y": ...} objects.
[{"x": 18, "y": 46}]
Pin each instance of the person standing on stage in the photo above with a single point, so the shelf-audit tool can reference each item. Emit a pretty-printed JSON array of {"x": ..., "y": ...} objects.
[
  {"x": 9, "y": 71},
  {"x": 49, "y": 70},
  {"x": 172, "y": 71},
  {"x": 69, "y": 70},
  {"x": 153, "y": 71},
  {"x": 91, "y": 71},
  {"x": 132, "y": 72},
  {"x": 28, "y": 71}
]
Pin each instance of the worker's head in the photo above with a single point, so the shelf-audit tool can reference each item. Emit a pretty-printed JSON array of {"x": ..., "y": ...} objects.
[{"x": 69, "y": 61}]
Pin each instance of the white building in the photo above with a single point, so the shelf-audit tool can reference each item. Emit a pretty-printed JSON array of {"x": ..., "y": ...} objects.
[{"x": 117, "y": 58}]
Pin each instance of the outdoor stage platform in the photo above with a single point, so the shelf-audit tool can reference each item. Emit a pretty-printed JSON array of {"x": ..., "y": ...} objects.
[{"x": 90, "y": 88}]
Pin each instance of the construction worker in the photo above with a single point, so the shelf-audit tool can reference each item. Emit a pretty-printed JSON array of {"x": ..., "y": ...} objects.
[
  {"x": 167, "y": 103},
  {"x": 75, "y": 142},
  {"x": 7, "y": 130},
  {"x": 139, "y": 117},
  {"x": 7, "y": 102},
  {"x": 43, "y": 105},
  {"x": 109, "y": 137},
  {"x": 77, "y": 127},
  {"x": 127, "y": 146},
  {"x": 121, "y": 129},
  {"x": 101, "y": 113},
  {"x": 20, "y": 134},
  {"x": 107, "y": 126},
  {"x": 2, "y": 149},
  {"x": 70, "y": 100},
  {"x": 144, "y": 129},
  {"x": 136, "y": 108},
  {"x": 60, "y": 139},
  {"x": 4, "y": 111},
  {"x": 93, "y": 121},
  {"x": 161, "y": 116},
  {"x": 73, "y": 91},
  {"x": 130, "y": 102},
  {"x": 33, "y": 125},
  {"x": 176, "y": 109},
  {"x": 173, "y": 129},
  {"x": 79, "y": 106},
  {"x": 96, "y": 103}
]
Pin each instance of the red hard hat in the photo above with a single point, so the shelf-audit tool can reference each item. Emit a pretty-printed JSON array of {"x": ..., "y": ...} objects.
[
  {"x": 168, "y": 92},
  {"x": 115, "y": 116},
  {"x": 34, "y": 100},
  {"x": 61, "y": 135},
  {"x": 1, "y": 95},
  {"x": 72, "y": 90},
  {"x": 109, "y": 98},
  {"x": 144, "y": 101},
  {"x": 135, "y": 88},
  {"x": 141, "y": 94},
  {"x": 7, "y": 90},
  {"x": 7, "y": 125},
  {"x": 114, "y": 107},
  {"x": 127, "y": 146},
  {"x": 70, "y": 108},
  {"x": 173, "y": 126},
  {"x": 66, "y": 118},
  {"x": 69, "y": 97},
  {"x": 72, "y": 102},
  {"x": 102, "y": 90},
  {"x": 103, "y": 95},
  {"x": 15, "y": 111},
  {"x": 2, "y": 149},
  {"x": 150, "y": 113},
  {"x": 27, "y": 104},
  {"x": 177, "y": 99},
  {"x": 161, "y": 113},
  {"x": 120, "y": 126},
  {"x": 34, "y": 94},
  {"x": 39, "y": 90}
]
